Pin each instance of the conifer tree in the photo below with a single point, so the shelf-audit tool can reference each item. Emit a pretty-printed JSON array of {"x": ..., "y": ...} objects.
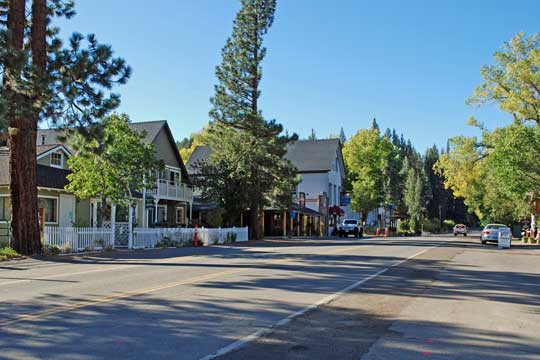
[
  {"x": 342, "y": 137},
  {"x": 312, "y": 136},
  {"x": 44, "y": 80},
  {"x": 374, "y": 124},
  {"x": 255, "y": 164}
]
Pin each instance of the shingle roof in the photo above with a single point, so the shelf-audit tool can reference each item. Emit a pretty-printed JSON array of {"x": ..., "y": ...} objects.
[
  {"x": 312, "y": 155},
  {"x": 305, "y": 155},
  {"x": 46, "y": 176},
  {"x": 152, "y": 128},
  {"x": 201, "y": 152}
]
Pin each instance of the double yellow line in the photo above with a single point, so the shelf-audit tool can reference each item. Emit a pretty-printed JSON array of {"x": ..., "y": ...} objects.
[{"x": 128, "y": 294}]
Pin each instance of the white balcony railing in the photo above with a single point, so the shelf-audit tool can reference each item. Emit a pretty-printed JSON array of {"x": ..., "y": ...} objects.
[{"x": 167, "y": 190}]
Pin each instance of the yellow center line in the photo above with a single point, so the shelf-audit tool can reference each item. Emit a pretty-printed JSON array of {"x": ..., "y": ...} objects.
[
  {"x": 107, "y": 299},
  {"x": 177, "y": 259}
]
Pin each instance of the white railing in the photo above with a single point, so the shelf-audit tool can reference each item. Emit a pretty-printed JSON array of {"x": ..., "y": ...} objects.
[
  {"x": 165, "y": 189},
  {"x": 158, "y": 237},
  {"x": 67, "y": 240}
]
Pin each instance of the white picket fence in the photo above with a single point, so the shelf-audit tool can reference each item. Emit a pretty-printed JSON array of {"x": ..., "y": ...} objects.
[
  {"x": 69, "y": 240},
  {"x": 152, "y": 237},
  {"x": 72, "y": 240},
  {"x": 221, "y": 236}
]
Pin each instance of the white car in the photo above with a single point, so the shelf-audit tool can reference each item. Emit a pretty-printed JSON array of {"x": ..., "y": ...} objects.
[
  {"x": 491, "y": 232},
  {"x": 460, "y": 229},
  {"x": 350, "y": 227}
]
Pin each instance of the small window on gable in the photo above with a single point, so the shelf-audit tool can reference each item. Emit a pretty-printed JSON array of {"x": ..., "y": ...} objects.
[
  {"x": 42, "y": 139},
  {"x": 57, "y": 160}
]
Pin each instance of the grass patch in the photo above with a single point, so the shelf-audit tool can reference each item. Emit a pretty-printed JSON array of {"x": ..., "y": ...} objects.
[{"x": 7, "y": 253}]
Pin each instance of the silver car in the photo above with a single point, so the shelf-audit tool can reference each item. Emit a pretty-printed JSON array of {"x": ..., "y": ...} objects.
[{"x": 491, "y": 232}]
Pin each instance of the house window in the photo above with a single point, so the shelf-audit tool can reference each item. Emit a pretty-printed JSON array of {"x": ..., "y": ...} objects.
[
  {"x": 50, "y": 205},
  {"x": 42, "y": 139},
  {"x": 162, "y": 214},
  {"x": 174, "y": 177},
  {"x": 180, "y": 217},
  {"x": 57, "y": 160},
  {"x": 4, "y": 208}
]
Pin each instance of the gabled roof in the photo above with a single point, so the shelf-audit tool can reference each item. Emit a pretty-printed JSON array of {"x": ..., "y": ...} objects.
[
  {"x": 306, "y": 155},
  {"x": 313, "y": 155},
  {"x": 44, "y": 150},
  {"x": 152, "y": 129},
  {"x": 47, "y": 176},
  {"x": 201, "y": 152}
]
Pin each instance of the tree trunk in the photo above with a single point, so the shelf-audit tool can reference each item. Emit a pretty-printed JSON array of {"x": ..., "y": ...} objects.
[
  {"x": 23, "y": 187},
  {"x": 254, "y": 222},
  {"x": 101, "y": 213},
  {"x": 22, "y": 144}
]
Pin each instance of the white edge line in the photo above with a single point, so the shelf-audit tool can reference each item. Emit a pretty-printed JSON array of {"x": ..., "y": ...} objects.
[
  {"x": 265, "y": 331},
  {"x": 261, "y": 332}
]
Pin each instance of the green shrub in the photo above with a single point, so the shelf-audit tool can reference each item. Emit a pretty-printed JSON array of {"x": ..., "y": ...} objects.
[
  {"x": 448, "y": 225},
  {"x": 7, "y": 253},
  {"x": 99, "y": 243},
  {"x": 414, "y": 225},
  {"x": 52, "y": 249},
  {"x": 403, "y": 226},
  {"x": 230, "y": 238},
  {"x": 431, "y": 225}
]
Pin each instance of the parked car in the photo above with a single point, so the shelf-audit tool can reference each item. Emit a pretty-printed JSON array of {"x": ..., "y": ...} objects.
[
  {"x": 460, "y": 229},
  {"x": 351, "y": 227},
  {"x": 491, "y": 232}
]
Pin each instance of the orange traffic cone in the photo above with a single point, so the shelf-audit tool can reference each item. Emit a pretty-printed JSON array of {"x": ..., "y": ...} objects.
[
  {"x": 378, "y": 232},
  {"x": 386, "y": 232}
]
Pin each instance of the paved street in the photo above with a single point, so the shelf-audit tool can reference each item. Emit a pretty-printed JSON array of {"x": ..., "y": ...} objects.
[{"x": 397, "y": 298}]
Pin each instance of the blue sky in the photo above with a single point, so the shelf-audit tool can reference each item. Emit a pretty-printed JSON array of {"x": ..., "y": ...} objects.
[{"x": 411, "y": 64}]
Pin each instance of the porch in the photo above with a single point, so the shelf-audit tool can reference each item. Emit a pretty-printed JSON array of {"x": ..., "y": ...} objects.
[{"x": 295, "y": 221}]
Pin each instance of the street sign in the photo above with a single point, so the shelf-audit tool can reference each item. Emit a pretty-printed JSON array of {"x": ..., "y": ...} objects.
[{"x": 345, "y": 200}]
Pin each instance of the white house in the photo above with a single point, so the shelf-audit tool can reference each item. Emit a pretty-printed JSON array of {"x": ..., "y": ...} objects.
[{"x": 322, "y": 171}]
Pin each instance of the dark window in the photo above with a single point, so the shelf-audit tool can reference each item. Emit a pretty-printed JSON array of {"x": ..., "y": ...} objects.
[
  {"x": 50, "y": 207},
  {"x": 4, "y": 208}
]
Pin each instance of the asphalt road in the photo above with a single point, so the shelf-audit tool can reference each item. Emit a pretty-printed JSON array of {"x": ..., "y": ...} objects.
[{"x": 395, "y": 298}]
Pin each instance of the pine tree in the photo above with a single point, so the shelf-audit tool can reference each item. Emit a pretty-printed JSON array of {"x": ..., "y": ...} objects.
[
  {"x": 312, "y": 136},
  {"x": 342, "y": 137},
  {"x": 42, "y": 79},
  {"x": 255, "y": 164},
  {"x": 374, "y": 124}
]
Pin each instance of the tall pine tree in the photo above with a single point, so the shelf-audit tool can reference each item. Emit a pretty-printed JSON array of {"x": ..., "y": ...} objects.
[
  {"x": 45, "y": 80},
  {"x": 255, "y": 163}
]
